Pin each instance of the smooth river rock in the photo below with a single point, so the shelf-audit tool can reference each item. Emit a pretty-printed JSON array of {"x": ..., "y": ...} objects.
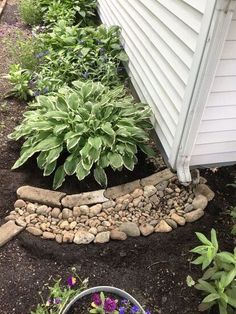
[
  {"x": 163, "y": 226},
  {"x": 200, "y": 201},
  {"x": 102, "y": 237},
  {"x": 194, "y": 215},
  {"x": 83, "y": 237},
  {"x": 130, "y": 228}
]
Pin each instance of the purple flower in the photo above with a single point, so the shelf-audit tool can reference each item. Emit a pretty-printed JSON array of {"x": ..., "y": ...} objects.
[
  {"x": 85, "y": 75},
  {"x": 122, "y": 310},
  {"x": 37, "y": 93},
  {"x": 57, "y": 301},
  {"x": 147, "y": 312},
  {"x": 71, "y": 281},
  {"x": 49, "y": 302},
  {"x": 96, "y": 299},
  {"x": 102, "y": 51},
  {"x": 46, "y": 90},
  {"x": 109, "y": 305},
  {"x": 134, "y": 309},
  {"x": 124, "y": 301}
]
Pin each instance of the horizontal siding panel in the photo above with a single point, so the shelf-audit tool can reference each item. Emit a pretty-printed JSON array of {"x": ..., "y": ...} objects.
[
  {"x": 199, "y": 5},
  {"x": 224, "y": 84},
  {"x": 229, "y": 51},
  {"x": 232, "y": 31},
  {"x": 155, "y": 78},
  {"x": 222, "y": 99},
  {"x": 218, "y": 113},
  {"x": 226, "y": 67},
  {"x": 211, "y": 159},
  {"x": 215, "y": 148},
  {"x": 217, "y": 125},
  {"x": 216, "y": 137},
  {"x": 173, "y": 23},
  {"x": 184, "y": 12}
]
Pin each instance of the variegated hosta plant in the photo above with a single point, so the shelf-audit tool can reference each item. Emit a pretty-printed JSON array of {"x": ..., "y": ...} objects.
[{"x": 97, "y": 127}]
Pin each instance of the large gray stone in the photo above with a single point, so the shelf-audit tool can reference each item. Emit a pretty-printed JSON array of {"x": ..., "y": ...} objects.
[
  {"x": 157, "y": 177},
  {"x": 194, "y": 215},
  {"x": 87, "y": 198},
  {"x": 203, "y": 189},
  {"x": 41, "y": 196},
  {"x": 102, "y": 237},
  {"x": 130, "y": 228},
  {"x": 8, "y": 231},
  {"x": 200, "y": 201},
  {"x": 163, "y": 226},
  {"x": 83, "y": 237},
  {"x": 120, "y": 190}
]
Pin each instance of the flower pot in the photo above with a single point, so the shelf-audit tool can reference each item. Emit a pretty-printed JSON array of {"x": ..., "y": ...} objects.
[{"x": 113, "y": 290}]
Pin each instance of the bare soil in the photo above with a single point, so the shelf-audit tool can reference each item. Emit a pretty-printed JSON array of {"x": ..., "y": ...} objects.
[{"x": 152, "y": 269}]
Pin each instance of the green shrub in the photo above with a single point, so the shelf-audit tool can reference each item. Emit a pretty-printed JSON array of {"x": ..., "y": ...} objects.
[
  {"x": 219, "y": 280},
  {"x": 73, "y": 11},
  {"x": 30, "y": 12},
  {"x": 20, "y": 80},
  {"x": 96, "y": 126},
  {"x": 75, "y": 53}
]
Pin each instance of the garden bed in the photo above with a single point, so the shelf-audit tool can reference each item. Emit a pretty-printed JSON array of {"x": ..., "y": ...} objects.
[{"x": 153, "y": 269}]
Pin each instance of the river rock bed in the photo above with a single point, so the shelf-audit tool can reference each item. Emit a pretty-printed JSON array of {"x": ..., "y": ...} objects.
[{"x": 152, "y": 208}]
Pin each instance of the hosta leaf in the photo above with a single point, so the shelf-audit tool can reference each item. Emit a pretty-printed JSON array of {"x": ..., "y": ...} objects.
[
  {"x": 49, "y": 168},
  {"x": 59, "y": 177},
  {"x": 100, "y": 176},
  {"x": 107, "y": 128},
  {"x": 123, "y": 56},
  {"x": 95, "y": 142},
  {"x": 73, "y": 101},
  {"x": 72, "y": 142},
  {"x": 24, "y": 157},
  {"x": 54, "y": 154},
  {"x": 41, "y": 126},
  {"x": 56, "y": 115},
  {"x": 81, "y": 173},
  {"x": 58, "y": 129},
  {"x": 45, "y": 101},
  {"x": 128, "y": 162},
  {"x": 147, "y": 150},
  {"x": 42, "y": 159},
  {"x": 87, "y": 163},
  {"x": 94, "y": 154},
  {"x": 49, "y": 143},
  {"x": 71, "y": 164},
  {"x": 115, "y": 159},
  {"x": 103, "y": 161},
  {"x": 107, "y": 140},
  {"x": 85, "y": 150},
  {"x": 61, "y": 104}
]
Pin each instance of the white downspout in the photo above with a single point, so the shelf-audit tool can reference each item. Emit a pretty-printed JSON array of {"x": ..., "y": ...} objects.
[{"x": 204, "y": 81}]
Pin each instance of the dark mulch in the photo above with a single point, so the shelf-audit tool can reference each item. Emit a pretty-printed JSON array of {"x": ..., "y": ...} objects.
[{"x": 153, "y": 269}]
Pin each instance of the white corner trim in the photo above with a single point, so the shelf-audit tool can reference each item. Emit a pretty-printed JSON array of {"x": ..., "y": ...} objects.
[{"x": 213, "y": 49}]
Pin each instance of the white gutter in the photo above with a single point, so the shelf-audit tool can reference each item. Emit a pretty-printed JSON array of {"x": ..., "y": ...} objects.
[{"x": 218, "y": 31}]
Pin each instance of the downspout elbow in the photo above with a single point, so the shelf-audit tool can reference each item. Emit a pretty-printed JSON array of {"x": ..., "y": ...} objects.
[{"x": 183, "y": 170}]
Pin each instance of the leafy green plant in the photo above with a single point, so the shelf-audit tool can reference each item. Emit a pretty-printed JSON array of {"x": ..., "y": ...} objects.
[
  {"x": 76, "y": 11},
  {"x": 30, "y": 12},
  {"x": 80, "y": 53},
  {"x": 19, "y": 79},
  {"x": 219, "y": 280},
  {"x": 97, "y": 127},
  {"x": 60, "y": 295}
]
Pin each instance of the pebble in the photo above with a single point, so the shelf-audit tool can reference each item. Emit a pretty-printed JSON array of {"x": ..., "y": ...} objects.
[
  {"x": 146, "y": 229},
  {"x": 68, "y": 237},
  {"x": 162, "y": 186},
  {"x": 153, "y": 222},
  {"x": 93, "y": 230},
  {"x": 130, "y": 228},
  {"x": 194, "y": 215},
  {"x": 66, "y": 213},
  {"x": 200, "y": 201},
  {"x": 73, "y": 224},
  {"x": 102, "y": 237},
  {"x": 31, "y": 208},
  {"x": 118, "y": 235},
  {"x": 19, "y": 203},
  {"x": 203, "y": 189},
  {"x": 84, "y": 210},
  {"x": 35, "y": 231},
  {"x": 149, "y": 190},
  {"x": 188, "y": 208},
  {"x": 55, "y": 212},
  {"x": 137, "y": 193},
  {"x": 95, "y": 210},
  {"x": 48, "y": 235},
  {"x": 163, "y": 226},
  {"x": 42, "y": 210},
  {"x": 108, "y": 204},
  {"x": 21, "y": 222},
  {"x": 83, "y": 237},
  {"x": 64, "y": 225},
  {"x": 59, "y": 238},
  {"x": 136, "y": 201},
  {"x": 171, "y": 223},
  {"x": 180, "y": 220}
]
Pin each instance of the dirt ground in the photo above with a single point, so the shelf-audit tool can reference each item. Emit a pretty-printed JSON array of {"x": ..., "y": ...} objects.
[{"x": 152, "y": 269}]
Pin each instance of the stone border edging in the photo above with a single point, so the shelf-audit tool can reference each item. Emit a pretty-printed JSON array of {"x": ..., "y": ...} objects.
[
  {"x": 2, "y": 6},
  {"x": 157, "y": 203}
]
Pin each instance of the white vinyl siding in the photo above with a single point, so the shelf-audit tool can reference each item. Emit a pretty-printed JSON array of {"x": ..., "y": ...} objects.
[
  {"x": 161, "y": 38},
  {"x": 216, "y": 140}
]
